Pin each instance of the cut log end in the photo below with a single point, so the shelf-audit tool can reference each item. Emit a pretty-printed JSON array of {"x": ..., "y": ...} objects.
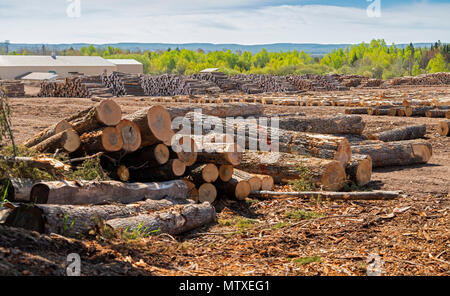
[
  {"x": 159, "y": 123},
  {"x": 364, "y": 171},
  {"x": 161, "y": 154},
  {"x": 123, "y": 173},
  {"x": 207, "y": 193},
  {"x": 178, "y": 167},
  {"x": 225, "y": 172},
  {"x": 232, "y": 154},
  {"x": 242, "y": 190},
  {"x": 444, "y": 128},
  {"x": 70, "y": 140},
  {"x": 131, "y": 135},
  {"x": 61, "y": 126},
  {"x": 422, "y": 151},
  {"x": 111, "y": 139},
  {"x": 334, "y": 177},
  {"x": 108, "y": 112},
  {"x": 210, "y": 173}
]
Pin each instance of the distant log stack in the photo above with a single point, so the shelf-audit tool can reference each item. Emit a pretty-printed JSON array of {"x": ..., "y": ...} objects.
[{"x": 13, "y": 88}]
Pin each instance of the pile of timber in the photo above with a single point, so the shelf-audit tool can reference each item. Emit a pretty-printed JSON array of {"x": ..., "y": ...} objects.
[
  {"x": 315, "y": 82},
  {"x": 359, "y": 81},
  {"x": 220, "y": 79},
  {"x": 75, "y": 87},
  {"x": 122, "y": 84},
  {"x": 440, "y": 78},
  {"x": 173, "y": 85},
  {"x": 13, "y": 88}
]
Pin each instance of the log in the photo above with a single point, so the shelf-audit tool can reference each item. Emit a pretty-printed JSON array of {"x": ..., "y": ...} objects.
[
  {"x": 154, "y": 124},
  {"x": 219, "y": 110},
  {"x": 400, "y": 134},
  {"x": 207, "y": 192},
  {"x": 447, "y": 114},
  {"x": 235, "y": 188},
  {"x": 255, "y": 182},
  {"x": 47, "y": 133},
  {"x": 436, "y": 113},
  {"x": 18, "y": 189},
  {"x": 225, "y": 172},
  {"x": 174, "y": 221},
  {"x": 267, "y": 182},
  {"x": 325, "y": 173},
  {"x": 444, "y": 128},
  {"x": 59, "y": 218},
  {"x": 150, "y": 156},
  {"x": 365, "y": 195},
  {"x": 342, "y": 124},
  {"x": 108, "y": 139},
  {"x": 186, "y": 152},
  {"x": 67, "y": 140},
  {"x": 356, "y": 110},
  {"x": 359, "y": 170},
  {"x": 193, "y": 192},
  {"x": 105, "y": 113},
  {"x": 396, "y": 153},
  {"x": 416, "y": 111},
  {"x": 220, "y": 153},
  {"x": 204, "y": 173},
  {"x": 173, "y": 169},
  {"x": 131, "y": 135},
  {"x": 100, "y": 192}
]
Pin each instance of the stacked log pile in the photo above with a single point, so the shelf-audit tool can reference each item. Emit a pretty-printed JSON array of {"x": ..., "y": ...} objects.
[
  {"x": 220, "y": 79},
  {"x": 123, "y": 84},
  {"x": 440, "y": 78},
  {"x": 13, "y": 88},
  {"x": 172, "y": 85},
  {"x": 75, "y": 87}
]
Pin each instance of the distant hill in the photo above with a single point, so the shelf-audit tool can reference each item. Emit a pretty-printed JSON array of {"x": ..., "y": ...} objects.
[{"x": 311, "y": 48}]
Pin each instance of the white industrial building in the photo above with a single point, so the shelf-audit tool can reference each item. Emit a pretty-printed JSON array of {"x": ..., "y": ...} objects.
[{"x": 13, "y": 67}]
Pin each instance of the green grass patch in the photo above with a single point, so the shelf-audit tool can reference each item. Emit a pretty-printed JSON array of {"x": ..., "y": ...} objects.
[
  {"x": 304, "y": 181},
  {"x": 280, "y": 225},
  {"x": 306, "y": 260},
  {"x": 302, "y": 215}
]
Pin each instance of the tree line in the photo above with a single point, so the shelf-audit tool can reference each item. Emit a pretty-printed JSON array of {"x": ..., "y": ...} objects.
[{"x": 375, "y": 59}]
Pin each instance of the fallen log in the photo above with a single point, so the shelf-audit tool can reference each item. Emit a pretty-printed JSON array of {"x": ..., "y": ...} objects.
[
  {"x": 47, "y": 133},
  {"x": 173, "y": 169},
  {"x": 356, "y": 110},
  {"x": 359, "y": 169},
  {"x": 44, "y": 163},
  {"x": 267, "y": 182},
  {"x": 100, "y": 192},
  {"x": 67, "y": 140},
  {"x": 193, "y": 192},
  {"x": 173, "y": 221},
  {"x": 105, "y": 113},
  {"x": 396, "y": 153},
  {"x": 444, "y": 128},
  {"x": 342, "y": 124},
  {"x": 154, "y": 124},
  {"x": 329, "y": 174},
  {"x": 73, "y": 220},
  {"x": 436, "y": 113},
  {"x": 365, "y": 195},
  {"x": 207, "y": 192},
  {"x": 400, "y": 134},
  {"x": 203, "y": 173},
  {"x": 235, "y": 188},
  {"x": 254, "y": 181},
  {"x": 417, "y": 111},
  {"x": 108, "y": 139}
]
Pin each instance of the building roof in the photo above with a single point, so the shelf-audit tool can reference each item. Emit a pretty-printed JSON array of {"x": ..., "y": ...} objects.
[
  {"x": 124, "y": 61},
  {"x": 45, "y": 61},
  {"x": 39, "y": 76}
]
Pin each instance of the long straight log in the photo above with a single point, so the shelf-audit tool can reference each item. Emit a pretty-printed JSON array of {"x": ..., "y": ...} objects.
[
  {"x": 400, "y": 134},
  {"x": 70, "y": 220},
  {"x": 329, "y": 174},
  {"x": 100, "y": 192},
  {"x": 365, "y": 195},
  {"x": 342, "y": 124},
  {"x": 396, "y": 153},
  {"x": 175, "y": 221}
]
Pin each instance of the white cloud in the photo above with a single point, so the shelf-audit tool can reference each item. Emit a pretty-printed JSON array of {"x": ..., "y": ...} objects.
[{"x": 181, "y": 21}]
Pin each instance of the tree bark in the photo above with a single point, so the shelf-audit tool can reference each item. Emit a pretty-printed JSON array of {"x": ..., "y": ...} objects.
[
  {"x": 365, "y": 195},
  {"x": 173, "y": 169},
  {"x": 100, "y": 192},
  {"x": 396, "y": 153},
  {"x": 176, "y": 221},
  {"x": 400, "y": 134},
  {"x": 59, "y": 218},
  {"x": 47, "y": 133},
  {"x": 342, "y": 124},
  {"x": 67, "y": 140},
  {"x": 359, "y": 170},
  {"x": 329, "y": 174}
]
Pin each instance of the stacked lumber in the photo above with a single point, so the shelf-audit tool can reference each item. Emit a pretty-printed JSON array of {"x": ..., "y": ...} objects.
[{"x": 13, "y": 88}]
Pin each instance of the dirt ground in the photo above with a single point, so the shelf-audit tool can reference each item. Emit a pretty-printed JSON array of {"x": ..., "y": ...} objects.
[{"x": 409, "y": 235}]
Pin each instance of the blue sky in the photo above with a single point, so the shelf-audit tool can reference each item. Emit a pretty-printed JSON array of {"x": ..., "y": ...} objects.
[{"x": 224, "y": 21}]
